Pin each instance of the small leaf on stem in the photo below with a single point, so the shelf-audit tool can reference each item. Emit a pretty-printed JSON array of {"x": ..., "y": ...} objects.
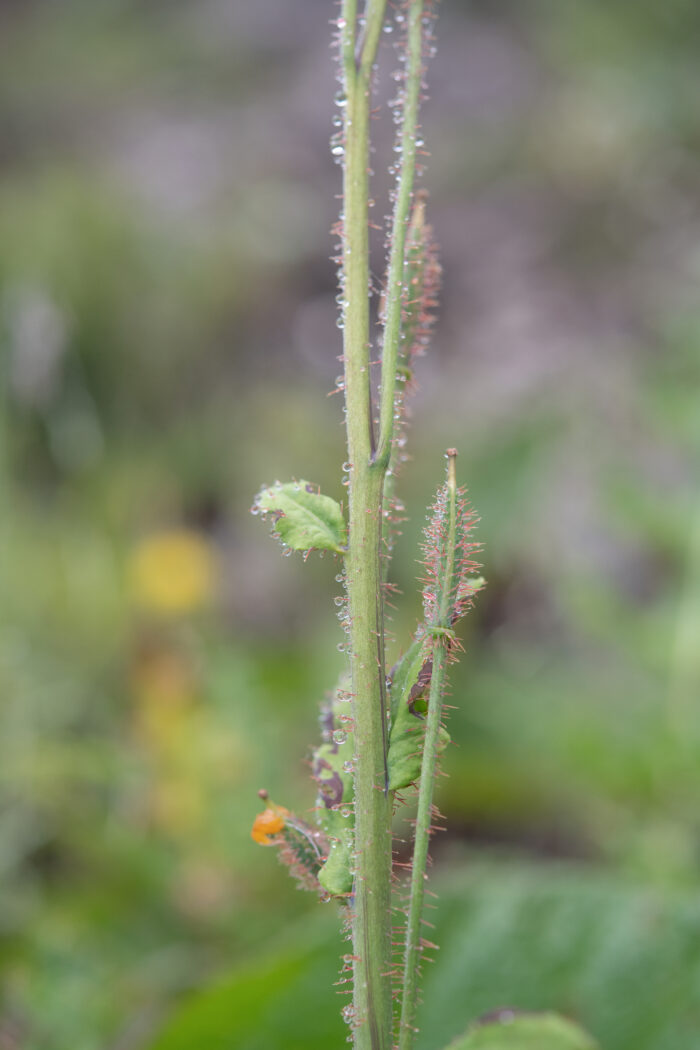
[
  {"x": 410, "y": 679},
  {"x": 332, "y": 764},
  {"x": 304, "y": 519}
]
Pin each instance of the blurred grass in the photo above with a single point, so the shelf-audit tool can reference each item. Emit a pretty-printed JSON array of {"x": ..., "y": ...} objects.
[{"x": 167, "y": 340}]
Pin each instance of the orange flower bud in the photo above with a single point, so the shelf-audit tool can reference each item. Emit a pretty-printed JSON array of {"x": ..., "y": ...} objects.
[{"x": 268, "y": 823}]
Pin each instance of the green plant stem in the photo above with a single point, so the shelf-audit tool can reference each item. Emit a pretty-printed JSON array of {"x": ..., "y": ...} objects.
[
  {"x": 414, "y": 271},
  {"x": 427, "y": 779},
  {"x": 371, "y": 924},
  {"x": 404, "y": 192}
]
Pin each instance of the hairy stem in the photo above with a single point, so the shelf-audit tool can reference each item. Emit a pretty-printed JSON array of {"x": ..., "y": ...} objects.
[
  {"x": 402, "y": 207},
  {"x": 371, "y": 926},
  {"x": 412, "y": 950},
  {"x": 414, "y": 272}
]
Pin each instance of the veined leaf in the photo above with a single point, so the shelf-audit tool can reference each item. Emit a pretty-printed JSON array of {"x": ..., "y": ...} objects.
[
  {"x": 304, "y": 518},
  {"x": 410, "y": 675},
  {"x": 410, "y": 679},
  {"x": 508, "y": 1030}
]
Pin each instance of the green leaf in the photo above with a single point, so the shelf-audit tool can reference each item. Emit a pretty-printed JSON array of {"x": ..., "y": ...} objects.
[
  {"x": 280, "y": 1000},
  {"x": 335, "y": 817},
  {"x": 335, "y": 876},
  {"x": 304, "y": 519},
  {"x": 509, "y": 1030},
  {"x": 409, "y": 681},
  {"x": 406, "y": 672},
  {"x": 332, "y": 770},
  {"x": 535, "y": 936}
]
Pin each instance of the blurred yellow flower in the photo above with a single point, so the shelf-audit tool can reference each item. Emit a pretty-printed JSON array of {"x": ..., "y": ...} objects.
[{"x": 172, "y": 572}]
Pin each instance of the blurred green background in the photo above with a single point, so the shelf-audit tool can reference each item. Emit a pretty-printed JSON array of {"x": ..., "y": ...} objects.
[{"x": 167, "y": 342}]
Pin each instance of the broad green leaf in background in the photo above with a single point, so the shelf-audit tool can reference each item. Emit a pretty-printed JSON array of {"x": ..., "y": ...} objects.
[
  {"x": 508, "y": 1030},
  {"x": 281, "y": 1000},
  {"x": 621, "y": 960},
  {"x": 304, "y": 518}
]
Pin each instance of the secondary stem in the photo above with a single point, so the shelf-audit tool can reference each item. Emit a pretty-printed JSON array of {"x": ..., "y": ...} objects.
[
  {"x": 414, "y": 276},
  {"x": 395, "y": 275},
  {"x": 427, "y": 778}
]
